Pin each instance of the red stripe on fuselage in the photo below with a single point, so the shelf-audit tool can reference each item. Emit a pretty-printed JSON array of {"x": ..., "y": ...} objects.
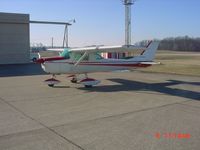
[
  {"x": 42, "y": 60},
  {"x": 54, "y": 58},
  {"x": 136, "y": 64},
  {"x": 119, "y": 65}
]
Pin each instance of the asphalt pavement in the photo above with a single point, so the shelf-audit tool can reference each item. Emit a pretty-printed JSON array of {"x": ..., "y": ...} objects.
[{"x": 126, "y": 111}]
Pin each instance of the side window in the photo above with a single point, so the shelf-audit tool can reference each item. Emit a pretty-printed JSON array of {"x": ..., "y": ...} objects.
[
  {"x": 98, "y": 56},
  {"x": 86, "y": 58},
  {"x": 77, "y": 56}
]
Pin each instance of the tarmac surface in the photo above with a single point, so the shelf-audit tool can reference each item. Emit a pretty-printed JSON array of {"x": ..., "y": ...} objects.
[{"x": 126, "y": 111}]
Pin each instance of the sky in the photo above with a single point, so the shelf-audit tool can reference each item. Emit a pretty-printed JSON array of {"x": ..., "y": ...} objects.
[{"x": 101, "y": 22}]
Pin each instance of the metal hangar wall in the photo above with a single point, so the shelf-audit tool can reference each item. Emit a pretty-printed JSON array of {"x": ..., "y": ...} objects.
[{"x": 14, "y": 38}]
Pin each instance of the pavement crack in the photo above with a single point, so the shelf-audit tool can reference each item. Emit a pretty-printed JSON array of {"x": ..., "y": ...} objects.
[
  {"x": 189, "y": 105},
  {"x": 122, "y": 114},
  {"x": 50, "y": 129}
]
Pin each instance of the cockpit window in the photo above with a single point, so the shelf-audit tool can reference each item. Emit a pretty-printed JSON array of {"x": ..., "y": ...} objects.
[
  {"x": 77, "y": 56},
  {"x": 98, "y": 56},
  {"x": 88, "y": 57}
]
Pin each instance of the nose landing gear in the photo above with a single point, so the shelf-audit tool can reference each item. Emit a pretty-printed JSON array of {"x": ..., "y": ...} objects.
[{"x": 52, "y": 81}]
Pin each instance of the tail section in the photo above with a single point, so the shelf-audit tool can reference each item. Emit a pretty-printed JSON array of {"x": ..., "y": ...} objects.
[{"x": 149, "y": 53}]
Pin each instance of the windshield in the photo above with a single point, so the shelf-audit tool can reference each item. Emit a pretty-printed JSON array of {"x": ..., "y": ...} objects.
[{"x": 65, "y": 53}]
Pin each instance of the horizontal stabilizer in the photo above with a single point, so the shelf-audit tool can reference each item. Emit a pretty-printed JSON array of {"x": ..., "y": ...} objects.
[{"x": 150, "y": 63}]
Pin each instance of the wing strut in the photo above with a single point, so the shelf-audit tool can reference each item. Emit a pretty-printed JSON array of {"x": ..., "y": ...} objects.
[{"x": 82, "y": 57}]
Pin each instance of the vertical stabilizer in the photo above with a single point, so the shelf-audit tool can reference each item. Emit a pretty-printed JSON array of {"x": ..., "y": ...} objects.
[{"x": 150, "y": 52}]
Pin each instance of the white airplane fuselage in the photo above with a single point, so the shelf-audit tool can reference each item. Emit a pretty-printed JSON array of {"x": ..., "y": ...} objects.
[{"x": 68, "y": 67}]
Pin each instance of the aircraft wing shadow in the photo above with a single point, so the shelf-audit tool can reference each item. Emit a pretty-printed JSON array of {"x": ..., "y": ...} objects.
[{"x": 163, "y": 88}]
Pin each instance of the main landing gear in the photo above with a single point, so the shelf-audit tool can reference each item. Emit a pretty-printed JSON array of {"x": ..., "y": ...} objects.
[
  {"x": 74, "y": 79},
  {"x": 87, "y": 82}
]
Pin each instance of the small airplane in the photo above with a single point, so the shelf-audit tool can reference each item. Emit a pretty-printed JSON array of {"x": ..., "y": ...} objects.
[{"x": 81, "y": 61}]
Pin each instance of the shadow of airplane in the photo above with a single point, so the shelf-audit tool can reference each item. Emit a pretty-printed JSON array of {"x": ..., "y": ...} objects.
[
  {"x": 60, "y": 86},
  {"x": 129, "y": 85}
]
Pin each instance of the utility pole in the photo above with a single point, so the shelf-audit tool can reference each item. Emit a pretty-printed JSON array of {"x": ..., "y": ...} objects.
[{"x": 52, "y": 42}]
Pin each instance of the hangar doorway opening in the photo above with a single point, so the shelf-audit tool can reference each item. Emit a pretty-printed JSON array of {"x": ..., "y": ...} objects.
[
  {"x": 49, "y": 31},
  {"x": 15, "y": 37}
]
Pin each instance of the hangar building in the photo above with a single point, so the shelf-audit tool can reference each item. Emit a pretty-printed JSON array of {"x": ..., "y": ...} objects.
[{"x": 14, "y": 38}]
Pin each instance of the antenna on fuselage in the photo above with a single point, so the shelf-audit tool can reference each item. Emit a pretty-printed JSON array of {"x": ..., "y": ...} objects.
[{"x": 128, "y": 4}]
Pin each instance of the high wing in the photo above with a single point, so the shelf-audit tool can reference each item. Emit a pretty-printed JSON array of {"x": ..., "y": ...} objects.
[
  {"x": 102, "y": 49},
  {"x": 55, "y": 49}
]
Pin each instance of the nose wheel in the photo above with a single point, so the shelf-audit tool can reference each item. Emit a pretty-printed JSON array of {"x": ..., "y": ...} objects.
[{"x": 52, "y": 81}]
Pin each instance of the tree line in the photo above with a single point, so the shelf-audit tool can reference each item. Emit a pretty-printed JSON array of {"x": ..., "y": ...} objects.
[{"x": 184, "y": 43}]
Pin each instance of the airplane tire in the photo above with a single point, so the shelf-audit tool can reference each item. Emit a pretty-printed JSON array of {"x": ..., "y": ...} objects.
[
  {"x": 34, "y": 59},
  {"x": 73, "y": 81},
  {"x": 88, "y": 86},
  {"x": 50, "y": 85}
]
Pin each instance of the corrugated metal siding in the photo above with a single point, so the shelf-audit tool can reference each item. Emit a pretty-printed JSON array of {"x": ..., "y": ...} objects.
[{"x": 14, "y": 38}]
